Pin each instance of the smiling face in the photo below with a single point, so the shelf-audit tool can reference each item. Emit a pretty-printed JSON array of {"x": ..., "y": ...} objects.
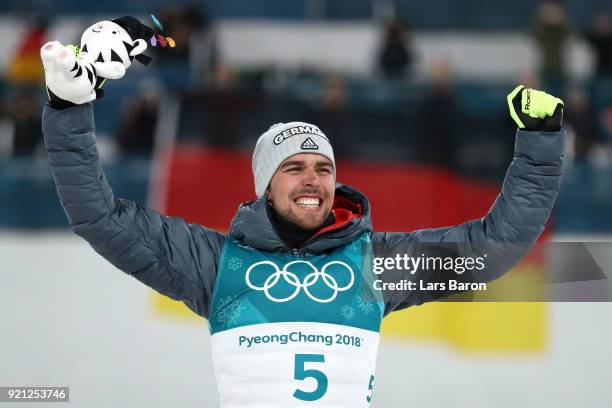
[
  {"x": 302, "y": 189},
  {"x": 105, "y": 41}
]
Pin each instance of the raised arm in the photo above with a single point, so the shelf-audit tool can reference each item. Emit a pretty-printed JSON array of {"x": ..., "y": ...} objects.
[
  {"x": 171, "y": 256},
  {"x": 510, "y": 228}
]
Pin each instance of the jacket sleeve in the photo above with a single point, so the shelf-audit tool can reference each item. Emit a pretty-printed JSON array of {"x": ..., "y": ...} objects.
[
  {"x": 171, "y": 256},
  {"x": 505, "y": 234}
]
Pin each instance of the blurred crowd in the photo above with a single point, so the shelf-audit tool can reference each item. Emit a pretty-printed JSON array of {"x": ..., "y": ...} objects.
[{"x": 220, "y": 95}]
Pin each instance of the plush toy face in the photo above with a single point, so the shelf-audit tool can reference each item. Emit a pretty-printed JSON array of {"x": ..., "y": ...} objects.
[{"x": 107, "y": 41}]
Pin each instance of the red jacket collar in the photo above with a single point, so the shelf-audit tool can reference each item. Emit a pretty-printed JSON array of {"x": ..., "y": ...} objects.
[{"x": 344, "y": 211}]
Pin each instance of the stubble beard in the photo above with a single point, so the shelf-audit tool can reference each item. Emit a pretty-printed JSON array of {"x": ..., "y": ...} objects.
[
  {"x": 313, "y": 222},
  {"x": 306, "y": 221}
]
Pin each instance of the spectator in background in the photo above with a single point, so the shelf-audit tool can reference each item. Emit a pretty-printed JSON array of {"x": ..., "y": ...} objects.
[
  {"x": 180, "y": 23},
  {"x": 25, "y": 112},
  {"x": 551, "y": 31},
  {"x": 599, "y": 37},
  {"x": 606, "y": 121},
  {"x": 440, "y": 117},
  {"x": 136, "y": 130},
  {"x": 331, "y": 113},
  {"x": 395, "y": 56},
  {"x": 579, "y": 116},
  {"x": 221, "y": 108},
  {"x": 225, "y": 104}
]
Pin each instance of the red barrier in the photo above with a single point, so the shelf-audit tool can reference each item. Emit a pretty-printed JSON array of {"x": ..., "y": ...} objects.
[{"x": 206, "y": 185}]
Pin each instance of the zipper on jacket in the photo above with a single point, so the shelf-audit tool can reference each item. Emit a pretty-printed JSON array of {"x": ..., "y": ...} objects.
[{"x": 301, "y": 252}]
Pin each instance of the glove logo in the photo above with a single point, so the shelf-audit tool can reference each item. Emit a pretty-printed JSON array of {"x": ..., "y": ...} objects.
[
  {"x": 528, "y": 99},
  {"x": 293, "y": 280}
]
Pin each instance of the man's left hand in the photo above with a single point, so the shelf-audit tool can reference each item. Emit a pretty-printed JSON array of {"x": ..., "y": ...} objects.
[{"x": 535, "y": 110}]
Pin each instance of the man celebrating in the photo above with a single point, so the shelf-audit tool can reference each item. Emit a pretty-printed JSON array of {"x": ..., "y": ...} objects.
[{"x": 288, "y": 291}]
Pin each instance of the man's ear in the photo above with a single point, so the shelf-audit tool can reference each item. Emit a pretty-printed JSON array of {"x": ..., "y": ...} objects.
[
  {"x": 139, "y": 47},
  {"x": 268, "y": 191}
]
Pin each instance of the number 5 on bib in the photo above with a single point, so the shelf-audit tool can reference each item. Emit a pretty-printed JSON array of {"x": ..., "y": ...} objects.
[{"x": 300, "y": 373}]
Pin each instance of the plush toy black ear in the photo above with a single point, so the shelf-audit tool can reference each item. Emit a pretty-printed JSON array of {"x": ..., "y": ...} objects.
[{"x": 136, "y": 30}]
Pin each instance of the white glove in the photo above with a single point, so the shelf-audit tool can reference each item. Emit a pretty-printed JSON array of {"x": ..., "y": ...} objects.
[{"x": 71, "y": 76}]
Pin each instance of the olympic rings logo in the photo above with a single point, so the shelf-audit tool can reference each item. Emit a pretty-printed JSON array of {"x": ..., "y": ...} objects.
[{"x": 292, "y": 279}]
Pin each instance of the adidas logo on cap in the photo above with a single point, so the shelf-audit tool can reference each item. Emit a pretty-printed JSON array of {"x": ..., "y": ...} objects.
[{"x": 309, "y": 145}]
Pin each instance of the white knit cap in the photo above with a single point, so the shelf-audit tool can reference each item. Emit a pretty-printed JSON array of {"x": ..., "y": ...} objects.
[{"x": 282, "y": 141}]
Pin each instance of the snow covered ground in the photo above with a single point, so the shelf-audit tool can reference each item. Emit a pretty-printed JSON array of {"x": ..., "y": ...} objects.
[{"x": 69, "y": 318}]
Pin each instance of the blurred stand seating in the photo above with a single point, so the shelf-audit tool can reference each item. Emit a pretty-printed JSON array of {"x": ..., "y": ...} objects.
[
  {"x": 28, "y": 198},
  {"x": 441, "y": 15},
  {"x": 435, "y": 121},
  {"x": 367, "y": 119}
]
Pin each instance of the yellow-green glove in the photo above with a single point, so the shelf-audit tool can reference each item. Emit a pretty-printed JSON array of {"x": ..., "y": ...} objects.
[{"x": 535, "y": 110}]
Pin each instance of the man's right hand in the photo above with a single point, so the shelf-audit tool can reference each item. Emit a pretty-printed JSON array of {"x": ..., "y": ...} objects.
[{"x": 70, "y": 76}]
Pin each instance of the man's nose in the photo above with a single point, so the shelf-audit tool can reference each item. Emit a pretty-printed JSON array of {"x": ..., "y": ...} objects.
[{"x": 311, "y": 178}]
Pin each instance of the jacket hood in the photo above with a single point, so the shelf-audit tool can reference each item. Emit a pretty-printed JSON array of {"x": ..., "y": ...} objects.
[{"x": 252, "y": 225}]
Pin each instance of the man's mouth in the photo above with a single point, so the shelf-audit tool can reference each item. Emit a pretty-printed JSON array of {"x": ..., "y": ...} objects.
[{"x": 308, "y": 202}]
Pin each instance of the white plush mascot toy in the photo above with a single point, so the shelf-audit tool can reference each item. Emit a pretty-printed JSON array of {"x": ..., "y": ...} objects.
[{"x": 75, "y": 75}]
